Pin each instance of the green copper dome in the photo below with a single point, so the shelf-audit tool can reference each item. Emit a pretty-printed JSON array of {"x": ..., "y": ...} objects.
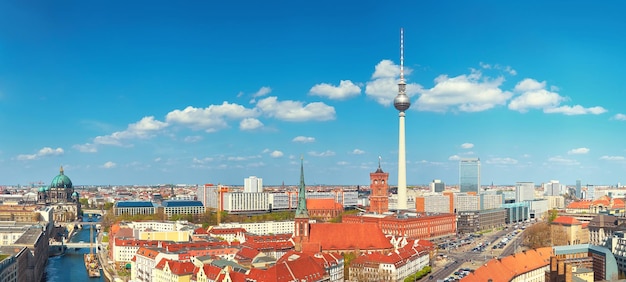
[
  {"x": 61, "y": 181},
  {"x": 42, "y": 189}
]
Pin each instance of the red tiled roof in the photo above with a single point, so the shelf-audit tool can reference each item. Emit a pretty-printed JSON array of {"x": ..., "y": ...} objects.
[
  {"x": 348, "y": 236},
  {"x": 566, "y": 220},
  {"x": 246, "y": 254},
  {"x": 579, "y": 205},
  {"x": 293, "y": 266},
  {"x": 323, "y": 204},
  {"x": 200, "y": 230},
  {"x": 507, "y": 268},
  {"x": 177, "y": 267}
]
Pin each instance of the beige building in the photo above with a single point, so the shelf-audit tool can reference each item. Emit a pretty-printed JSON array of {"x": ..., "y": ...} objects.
[{"x": 567, "y": 230}]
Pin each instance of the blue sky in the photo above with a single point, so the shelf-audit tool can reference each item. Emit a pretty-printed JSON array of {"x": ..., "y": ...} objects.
[{"x": 147, "y": 92}]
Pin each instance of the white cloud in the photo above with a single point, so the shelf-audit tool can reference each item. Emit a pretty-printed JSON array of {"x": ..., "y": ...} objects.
[
  {"x": 578, "y": 151},
  {"x": 454, "y": 158},
  {"x": 109, "y": 164},
  {"x": 534, "y": 95},
  {"x": 502, "y": 161},
  {"x": 86, "y": 148},
  {"x": 345, "y": 90},
  {"x": 342, "y": 163},
  {"x": 466, "y": 93},
  {"x": 303, "y": 139},
  {"x": 250, "y": 124},
  {"x": 202, "y": 161},
  {"x": 156, "y": 160},
  {"x": 612, "y": 158},
  {"x": 192, "y": 139},
  {"x": 276, "y": 154},
  {"x": 295, "y": 111},
  {"x": 262, "y": 91},
  {"x": 575, "y": 110},
  {"x": 563, "y": 161},
  {"x": 507, "y": 69},
  {"x": 43, "y": 152},
  {"x": 143, "y": 129},
  {"x": 357, "y": 152},
  {"x": 383, "y": 87},
  {"x": 467, "y": 145},
  {"x": 328, "y": 153},
  {"x": 619, "y": 117},
  {"x": 210, "y": 119}
]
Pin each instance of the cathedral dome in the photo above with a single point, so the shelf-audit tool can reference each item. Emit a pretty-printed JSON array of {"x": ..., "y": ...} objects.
[
  {"x": 61, "y": 181},
  {"x": 42, "y": 189},
  {"x": 75, "y": 194}
]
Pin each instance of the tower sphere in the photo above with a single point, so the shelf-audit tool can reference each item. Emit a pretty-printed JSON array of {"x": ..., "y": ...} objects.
[{"x": 402, "y": 102}]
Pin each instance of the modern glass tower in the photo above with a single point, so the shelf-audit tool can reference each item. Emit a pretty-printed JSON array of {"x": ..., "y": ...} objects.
[{"x": 469, "y": 175}]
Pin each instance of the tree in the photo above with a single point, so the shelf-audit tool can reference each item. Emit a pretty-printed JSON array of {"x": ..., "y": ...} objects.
[
  {"x": 537, "y": 235},
  {"x": 552, "y": 215},
  {"x": 558, "y": 234}
]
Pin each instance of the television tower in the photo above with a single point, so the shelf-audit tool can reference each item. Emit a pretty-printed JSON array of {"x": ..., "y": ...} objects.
[{"x": 402, "y": 103}]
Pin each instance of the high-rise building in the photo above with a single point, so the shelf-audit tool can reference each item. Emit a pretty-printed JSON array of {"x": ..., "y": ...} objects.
[
  {"x": 379, "y": 197},
  {"x": 207, "y": 194},
  {"x": 402, "y": 103},
  {"x": 437, "y": 186},
  {"x": 469, "y": 175},
  {"x": 524, "y": 191},
  {"x": 252, "y": 184},
  {"x": 591, "y": 192},
  {"x": 579, "y": 189},
  {"x": 553, "y": 188}
]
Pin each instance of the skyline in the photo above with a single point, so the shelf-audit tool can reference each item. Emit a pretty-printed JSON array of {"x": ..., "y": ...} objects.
[{"x": 123, "y": 93}]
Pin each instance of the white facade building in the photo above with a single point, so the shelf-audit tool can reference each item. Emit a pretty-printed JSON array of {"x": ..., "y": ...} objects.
[
  {"x": 465, "y": 202},
  {"x": 263, "y": 228},
  {"x": 490, "y": 201},
  {"x": 246, "y": 202},
  {"x": 437, "y": 204},
  {"x": 553, "y": 188},
  {"x": 524, "y": 191},
  {"x": 555, "y": 202},
  {"x": 253, "y": 184}
]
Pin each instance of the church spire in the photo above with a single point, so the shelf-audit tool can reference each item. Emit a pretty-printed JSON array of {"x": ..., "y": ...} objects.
[{"x": 301, "y": 211}]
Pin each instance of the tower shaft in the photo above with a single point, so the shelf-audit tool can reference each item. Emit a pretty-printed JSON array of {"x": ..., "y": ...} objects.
[{"x": 402, "y": 197}]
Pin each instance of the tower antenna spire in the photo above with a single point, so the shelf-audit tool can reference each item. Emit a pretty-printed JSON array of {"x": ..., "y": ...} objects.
[{"x": 402, "y": 54}]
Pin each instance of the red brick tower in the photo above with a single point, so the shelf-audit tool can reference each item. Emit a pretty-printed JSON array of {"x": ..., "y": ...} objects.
[{"x": 379, "y": 197}]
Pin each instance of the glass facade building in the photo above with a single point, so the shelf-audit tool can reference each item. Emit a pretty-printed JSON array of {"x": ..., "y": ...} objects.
[{"x": 469, "y": 175}]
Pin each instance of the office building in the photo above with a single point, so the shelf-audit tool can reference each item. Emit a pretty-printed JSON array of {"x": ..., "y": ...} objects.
[
  {"x": 437, "y": 186},
  {"x": 469, "y": 175},
  {"x": 524, "y": 191},
  {"x": 579, "y": 189},
  {"x": 253, "y": 184}
]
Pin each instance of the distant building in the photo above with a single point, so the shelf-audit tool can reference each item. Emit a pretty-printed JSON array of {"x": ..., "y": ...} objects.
[
  {"x": 469, "y": 175},
  {"x": 432, "y": 204},
  {"x": 324, "y": 209},
  {"x": 524, "y": 191},
  {"x": 379, "y": 197},
  {"x": 466, "y": 202},
  {"x": 490, "y": 201},
  {"x": 61, "y": 194},
  {"x": 173, "y": 207},
  {"x": 253, "y": 184},
  {"x": 437, "y": 186},
  {"x": 410, "y": 225},
  {"x": 555, "y": 202},
  {"x": 474, "y": 221},
  {"x": 516, "y": 212},
  {"x": 553, "y": 188},
  {"x": 579, "y": 189},
  {"x": 132, "y": 208},
  {"x": 603, "y": 226},
  {"x": 567, "y": 230},
  {"x": 591, "y": 192}
]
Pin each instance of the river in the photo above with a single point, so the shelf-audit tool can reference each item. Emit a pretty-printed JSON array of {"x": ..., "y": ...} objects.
[{"x": 70, "y": 266}]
